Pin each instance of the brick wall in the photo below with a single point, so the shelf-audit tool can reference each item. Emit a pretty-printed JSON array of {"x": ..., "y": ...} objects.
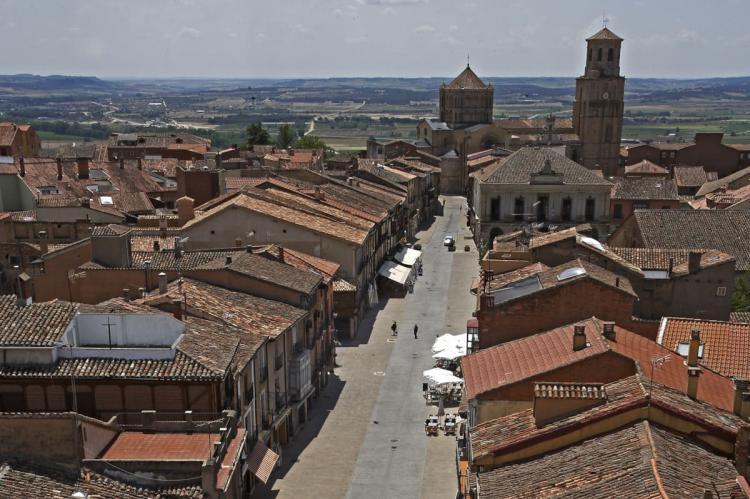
[{"x": 552, "y": 308}]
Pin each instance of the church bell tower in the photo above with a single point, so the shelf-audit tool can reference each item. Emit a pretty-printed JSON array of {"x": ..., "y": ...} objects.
[{"x": 598, "y": 108}]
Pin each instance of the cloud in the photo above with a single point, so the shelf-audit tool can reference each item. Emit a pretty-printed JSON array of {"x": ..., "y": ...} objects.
[
  {"x": 389, "y": 11},
  {"x": 425, "y": 28},
  {"x": 188, "y": 32},
  {"x": 452, "y": 27},
  {"x": 260, "y": 37},
  {"x": 231, "y": 34},
  {"x": 338, "y": 13},
  {"x": 301, "y": 29}
]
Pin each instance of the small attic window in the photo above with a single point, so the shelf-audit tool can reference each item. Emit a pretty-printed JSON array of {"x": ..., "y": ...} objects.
[
  {"x": 106, "y": 200},
  {"x": 683, "y": 348}
]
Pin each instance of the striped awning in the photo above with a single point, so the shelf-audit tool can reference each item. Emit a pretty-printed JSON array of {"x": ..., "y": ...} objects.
[{"x": 262, "y": 461}]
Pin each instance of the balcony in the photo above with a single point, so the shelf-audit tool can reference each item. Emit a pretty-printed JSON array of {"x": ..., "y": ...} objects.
[{"x": 300, "y": 376}]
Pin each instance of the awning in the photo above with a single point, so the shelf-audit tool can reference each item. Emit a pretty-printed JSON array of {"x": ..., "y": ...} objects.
[
  {"x": 407, "y": 256},
  {"x": 395, "y": 272},
  {"x": 262, "y": 461}
]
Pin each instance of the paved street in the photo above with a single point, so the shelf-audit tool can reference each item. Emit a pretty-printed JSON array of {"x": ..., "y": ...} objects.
[{"x": 366, "y": 436}]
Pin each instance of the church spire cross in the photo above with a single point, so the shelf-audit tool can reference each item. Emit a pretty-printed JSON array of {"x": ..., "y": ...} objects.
[
  {"x": 605, "y": 19},
  {"x": 468, "y": 59}
]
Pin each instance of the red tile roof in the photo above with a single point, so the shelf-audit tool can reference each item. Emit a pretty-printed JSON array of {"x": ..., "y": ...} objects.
[
  {"x": 508, "y": 363},
  {"x": 133, "y": 445},
  {"x": 726, "y": 344},
  {"x": 645, "y": 167},
  {"x": 521, "y": 359}
]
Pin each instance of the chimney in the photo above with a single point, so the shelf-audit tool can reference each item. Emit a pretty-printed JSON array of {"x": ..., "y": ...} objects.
[
  {"x": 140, "y": 164},
  {"x": 695, "y": 342},
  {"x": 22, "y": 166},
  {"x": 291, "y": 151},
  {"x": 177, "y": 305},
  {"x": 85, "y": 202},
  {"x": 185, "y": 211},
  {"x": 162, "y": 282},
  {"x": 122, "y": 163},
  {"x": 163, "y": 226},
  {"x": 59, "y": 168},
  {"x": 157, "y": 247},
  {"x": 125, "y": 294},
  {"x": 43, "y": 246},
  {"x": 249, "y": 248},
  {"x": 741, "y": 406},
  {"x": 141, "y": 292},
  {"x": 320, "y": 196},
  {"x": 177, "y": 249},
  {"x": 579, "y": 337},
  {"x": 281, "y": 254},
  {"x": 608, "y": 330},
  {"x": 694, "y": 374},
  {"x": 83, "y": 168},
  {"x": 229, "y": 260},
  {"x": 617, "y": 282},
  {"x": 741, "y": 447},
  {"x": 694, "y": 262},
  {"x": 671, "y": 266}
]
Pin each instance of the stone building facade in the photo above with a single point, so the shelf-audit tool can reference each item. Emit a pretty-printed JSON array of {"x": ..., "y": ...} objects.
[{"x": 466, "y": 101}]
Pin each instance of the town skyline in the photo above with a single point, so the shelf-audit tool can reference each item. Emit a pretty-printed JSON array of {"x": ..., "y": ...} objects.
[{"x": 393, "y": 38}]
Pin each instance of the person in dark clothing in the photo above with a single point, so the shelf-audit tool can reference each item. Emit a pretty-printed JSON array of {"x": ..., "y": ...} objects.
[
  {"x": 393, "y": 328},
  {"x": 416, "y": 328}
]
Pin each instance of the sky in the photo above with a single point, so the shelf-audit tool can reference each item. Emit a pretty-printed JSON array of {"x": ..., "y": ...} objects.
[{"x": 336, "y": 38}]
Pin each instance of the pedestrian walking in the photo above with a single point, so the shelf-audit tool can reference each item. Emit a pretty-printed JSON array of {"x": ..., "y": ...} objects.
[
  {"x": 416, "y": 328},
  {"x": 393, "y": 328}
]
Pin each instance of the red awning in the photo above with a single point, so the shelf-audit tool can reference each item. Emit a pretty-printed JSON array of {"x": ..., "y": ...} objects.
[{"x": 262, "y": 461}]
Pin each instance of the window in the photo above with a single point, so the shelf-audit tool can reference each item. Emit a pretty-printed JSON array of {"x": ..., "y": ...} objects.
[
  {"x": 518, "y": 207},
  {"x": 495, "y": 209},
  {"x": 617, "y": 212},
  {"x": 590, "y": 209},
  {"x": 721, "y": 291},
  {"x": 48, "y": 189},
  {"x": 599, "y": 55},
  {"x": 610, "y": 55},
  {"x": 567, "y": 210},
  {"x": 590, "y": 54}
]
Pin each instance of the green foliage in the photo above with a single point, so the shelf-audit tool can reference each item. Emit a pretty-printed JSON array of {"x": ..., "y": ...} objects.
[
  {"x": 310, "y": 142},
  {"x": 257, "y": 135},
  {"x": 741, "y": 296},
  {"x": 286, "y": 136}
]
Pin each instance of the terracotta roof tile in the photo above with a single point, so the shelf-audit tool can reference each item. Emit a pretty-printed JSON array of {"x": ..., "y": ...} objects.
[
  {"x": 467, "y": 80},
  {"x": 519, "y": 167},
  {"x": 661, "y": 258},
  {"x": 690, "y": 176},
  {"x": 618, "y": 464},
  {"x": 644, "y": 188},
  {"x": 645, "y": 167},
  {"x": 38, "y": 324},
  {"x": 726, "y": 345}
]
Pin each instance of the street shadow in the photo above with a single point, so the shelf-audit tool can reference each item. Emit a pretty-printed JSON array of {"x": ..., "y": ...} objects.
[
  {"x": 321, "y": 408},
  {"x": 366, "y": 326}
]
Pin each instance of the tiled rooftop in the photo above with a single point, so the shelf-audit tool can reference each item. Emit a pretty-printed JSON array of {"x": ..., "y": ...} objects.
[
  {"x": 645, "y": 167},
  {"x": 38, "y": 324},
  {"x": 726, "y": 345},
  {"x": 644, "y": 188},
  {"x": 467, "y": 80},
  {"x": 134, "y": 445},
  {"x": 632, "y": 462},
  {"x": 690, "y": 176},
  {"x": 244, "y": 311},
  {"x": 519, "y": 167},
  {"x": 24, "y": 480},
  {"x": 528, "y": 357},
  {"x": 659, "y": 258},
  {"x": 724, "y": 230}
]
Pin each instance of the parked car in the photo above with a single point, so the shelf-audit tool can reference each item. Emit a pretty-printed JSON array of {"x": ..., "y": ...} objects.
[{"x": 449, "y": 240}]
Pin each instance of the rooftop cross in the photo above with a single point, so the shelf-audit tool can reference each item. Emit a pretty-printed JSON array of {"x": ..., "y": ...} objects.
[{"x": 109, "y": 325}]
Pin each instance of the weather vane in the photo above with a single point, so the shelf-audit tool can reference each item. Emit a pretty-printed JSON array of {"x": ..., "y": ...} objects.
[
  {"x": 605, "y": 20},
  {"x": 468, "y": 60}
]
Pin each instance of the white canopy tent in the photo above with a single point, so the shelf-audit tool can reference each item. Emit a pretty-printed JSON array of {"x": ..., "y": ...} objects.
[
  {"x": 437, "y": 376},
  {"x": 395, "y": 272},
  {"x": 450, "y": 353},
  {"x": 408, "y": 256},
  {"x": 450, "y": 341}
]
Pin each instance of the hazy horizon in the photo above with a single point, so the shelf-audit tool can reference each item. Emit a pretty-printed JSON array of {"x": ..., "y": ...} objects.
[{"x": 252, "y": 39}]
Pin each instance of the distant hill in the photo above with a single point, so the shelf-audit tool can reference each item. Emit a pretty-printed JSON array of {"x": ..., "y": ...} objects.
[{"x": 35, "y": 83}]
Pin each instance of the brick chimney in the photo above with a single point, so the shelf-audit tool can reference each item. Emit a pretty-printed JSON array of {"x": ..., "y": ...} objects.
[
  {"x": 693, "y": 348},
  {"x": 43, "y": 246},
  {"x": 741, "y": 406},
  {"x": 122, "y": 163},
  {"x": 21, "y": 166},
  {"x": 162, "y": 282},
  {"x": 59, "y": 169},
  {"x": 83, "y": 168},
  {"x": 694, "y": 374},
  {"x": 608, "y": 330},
  {"x": 579, "y": 337},
  {"x": 694, "y": 262},
  {"x": 281, "y": 254},
  {"x": 185, "y": 211},
  {"x": 177, "y": 309}
]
